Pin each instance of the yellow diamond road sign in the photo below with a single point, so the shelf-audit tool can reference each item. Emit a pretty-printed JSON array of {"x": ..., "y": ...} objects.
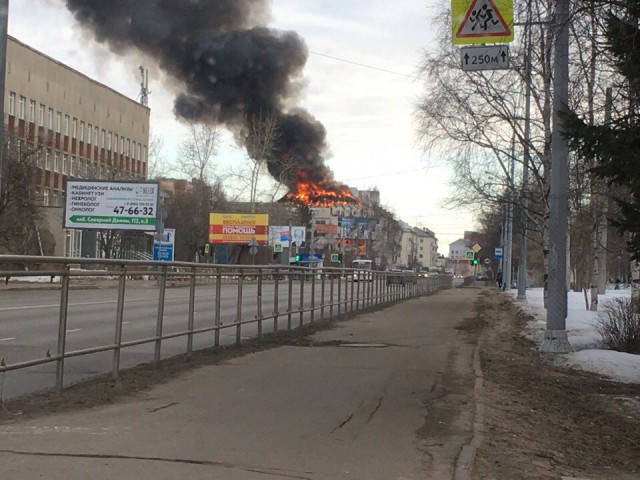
[
  {"x": 476, "y": 248},
  {"x": 481, "y": 21}
]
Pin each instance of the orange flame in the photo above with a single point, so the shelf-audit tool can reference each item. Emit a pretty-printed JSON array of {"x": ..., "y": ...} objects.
[{"x": 320, "y": 194}]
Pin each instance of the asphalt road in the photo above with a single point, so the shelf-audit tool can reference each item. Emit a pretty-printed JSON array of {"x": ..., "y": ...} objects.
[{"x": 29, "y": 325}]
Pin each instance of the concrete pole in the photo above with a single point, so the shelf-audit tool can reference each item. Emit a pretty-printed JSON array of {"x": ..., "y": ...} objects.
[
  {"x": 603, "y": 211},
  {"x": 4, "y": 20},
  {"x": 555, "y": 338},
  {"x": 524, "y": 202}
]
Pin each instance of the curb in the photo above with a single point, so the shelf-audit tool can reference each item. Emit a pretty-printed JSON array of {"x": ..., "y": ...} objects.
[{"x": 467, "y": 456}]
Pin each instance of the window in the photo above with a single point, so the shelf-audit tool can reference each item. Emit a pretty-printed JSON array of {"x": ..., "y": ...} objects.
[
  {"x": 54, "y": 199},
  {"x": 12, "y": 103},
  {"x": 109, "y": 138},
  {"x": 128, "y": 150},
  {"x": 45, "y": 198},
  {"x": 32, "y": 111},
  {"x": 39, "y": 156},
  {"x": 115, "y": 143},
  {"x": 65, "y": 164},
  {"x": 103, "y": 138},
  {"x": 96, "y": 132},
  {"x": 66, "y": 125},
  {"x": 56, "y": 162},
  {"x": 58, "y": 121},
  {"x": 89, "y": 131},
  {"x": 81, "y": 131},
  {"x": 74, "y": 167},
  {"x": 22, "y": 106},
  {"x": 144, "y": 154},
  {"x": 139, "y": 151},
  {"x": 50, "y": 119},
  {"x": 47, "y": 160},
  {"x": 41, "y": 116},
  {"x": 121, "y": 144},
  {"x": 74, "y": 127}
]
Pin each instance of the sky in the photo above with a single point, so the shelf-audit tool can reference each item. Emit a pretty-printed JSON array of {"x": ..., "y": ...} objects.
[
  {"x": 588, "y": 353},
  {"x": 365, "y": 96}
]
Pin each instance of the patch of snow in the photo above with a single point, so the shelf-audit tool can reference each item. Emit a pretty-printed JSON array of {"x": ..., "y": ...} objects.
[{"x": 585, "y": 340}]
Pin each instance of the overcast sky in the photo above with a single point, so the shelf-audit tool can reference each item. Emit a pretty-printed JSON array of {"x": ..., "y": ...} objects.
[{"x": 368, "y": 113}]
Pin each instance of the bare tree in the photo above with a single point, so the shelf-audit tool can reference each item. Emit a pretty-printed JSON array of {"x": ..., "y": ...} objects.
[
  {"x": 19, "y": 217},
  {"x": 157, "y": 165},
  {"x": 261, "y": 136},
  {"x": 197, "y": 152},
  {"x": 188, "y": 212}
]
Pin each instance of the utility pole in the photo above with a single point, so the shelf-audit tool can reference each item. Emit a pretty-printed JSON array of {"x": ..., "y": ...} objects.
[
  {"x": 4, "y": 21},
  {"x": 555, "y": 338},
  {"x": 524, "y": 201}
]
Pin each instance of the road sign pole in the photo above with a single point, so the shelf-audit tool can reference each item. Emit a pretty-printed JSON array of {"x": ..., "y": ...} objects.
[
  {"x": 555, "y": 338},
  {"x": 524, "y": 202}
]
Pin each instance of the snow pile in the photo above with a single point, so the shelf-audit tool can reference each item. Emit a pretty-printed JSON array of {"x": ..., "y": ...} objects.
[{"x": 589, "y": 354}]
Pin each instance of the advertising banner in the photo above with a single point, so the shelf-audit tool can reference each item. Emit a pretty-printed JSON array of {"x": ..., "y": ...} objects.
[
  {"x": 355, "y": 227},
  {"x": 323, "y": 228},
  {"x": 359, "y": 247},
  {"x": 279, "y": 234},
  {"x": 99, "y": 205},
  {"x": 163, "y": 247},
  {"x": 238, "y": 228}
]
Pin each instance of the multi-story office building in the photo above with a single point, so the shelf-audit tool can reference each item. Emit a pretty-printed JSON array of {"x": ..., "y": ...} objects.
[{"x": 76, "y": 128}]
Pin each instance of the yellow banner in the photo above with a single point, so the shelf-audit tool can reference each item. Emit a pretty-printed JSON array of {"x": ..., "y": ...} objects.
[{"x": 238, "y": 227}]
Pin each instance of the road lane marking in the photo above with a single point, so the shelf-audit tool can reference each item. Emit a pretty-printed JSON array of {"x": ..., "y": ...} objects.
[
  {"x": 83, "y": 304},
  {"x": 20, "y": 430},
  {"x": 74, "y": 330},
  {"x": 8, "y": 339}
]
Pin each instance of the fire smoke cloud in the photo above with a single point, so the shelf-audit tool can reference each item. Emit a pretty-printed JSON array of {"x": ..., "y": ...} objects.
[{"x": 229, "y": 63}]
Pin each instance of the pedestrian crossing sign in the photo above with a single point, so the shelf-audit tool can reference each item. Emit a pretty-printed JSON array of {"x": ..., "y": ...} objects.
[{"x": 481, "y": 21}]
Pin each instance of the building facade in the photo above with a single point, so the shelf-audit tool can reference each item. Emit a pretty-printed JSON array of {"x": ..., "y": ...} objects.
[{"x": 76, "y": 128}]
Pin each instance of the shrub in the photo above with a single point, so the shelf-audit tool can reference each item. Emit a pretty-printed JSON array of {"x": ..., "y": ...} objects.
[{"x": 619, "y": 325}]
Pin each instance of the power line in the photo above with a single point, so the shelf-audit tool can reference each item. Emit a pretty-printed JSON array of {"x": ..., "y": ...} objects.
[
  {"x": 386, "y": 174},
  {"x": 338, "y": 59},
  {"x": 364, "y": 65}
]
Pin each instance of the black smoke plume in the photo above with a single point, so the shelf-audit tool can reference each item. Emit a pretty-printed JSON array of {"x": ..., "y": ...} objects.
[{"x": 229, "y": 64}]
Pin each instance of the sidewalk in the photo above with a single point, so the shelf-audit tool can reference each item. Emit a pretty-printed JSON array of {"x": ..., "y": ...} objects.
[{"x": 385, "y": 395}]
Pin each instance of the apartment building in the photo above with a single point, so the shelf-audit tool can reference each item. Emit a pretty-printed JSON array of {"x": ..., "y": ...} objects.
[{"x": 76, "y": 128}]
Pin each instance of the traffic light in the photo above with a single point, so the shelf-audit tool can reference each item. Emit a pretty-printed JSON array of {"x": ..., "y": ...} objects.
[
  {"x": 298, "y": 257},
  {"x": 474, "y": 261}
]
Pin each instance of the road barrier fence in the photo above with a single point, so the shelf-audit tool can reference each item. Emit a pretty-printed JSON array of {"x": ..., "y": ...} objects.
[{"x": 331, "y": 292}]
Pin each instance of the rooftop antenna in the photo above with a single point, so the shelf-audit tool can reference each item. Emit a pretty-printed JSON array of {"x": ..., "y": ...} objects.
[{"x": 144, "y": 86}]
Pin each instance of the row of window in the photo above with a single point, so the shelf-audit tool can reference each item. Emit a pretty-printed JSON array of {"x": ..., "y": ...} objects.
[
  {"x": 53, "y": 161},
  {"x": 68, "y": 126}
]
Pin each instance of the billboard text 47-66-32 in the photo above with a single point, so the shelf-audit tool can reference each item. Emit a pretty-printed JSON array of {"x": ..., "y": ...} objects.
[{"x": 111, "y": 205}]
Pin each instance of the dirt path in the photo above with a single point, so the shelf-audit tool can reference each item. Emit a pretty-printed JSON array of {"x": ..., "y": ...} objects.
[{"x": 546, "y": 422}]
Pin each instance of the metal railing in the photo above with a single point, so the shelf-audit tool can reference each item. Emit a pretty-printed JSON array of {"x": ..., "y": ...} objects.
[{"x": 331, "y": 292}]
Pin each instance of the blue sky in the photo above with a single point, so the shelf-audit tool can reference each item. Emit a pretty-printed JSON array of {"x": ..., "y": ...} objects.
[{"x": 368, "y": 113}]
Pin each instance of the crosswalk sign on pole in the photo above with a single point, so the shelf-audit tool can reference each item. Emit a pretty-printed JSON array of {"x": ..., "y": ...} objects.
[{"x": 481, "y": 21}]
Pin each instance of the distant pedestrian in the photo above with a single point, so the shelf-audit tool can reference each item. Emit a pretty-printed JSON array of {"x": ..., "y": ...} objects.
[
  {"x": 617, "y": 287},
  {"x": 499, "y": 280}
]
